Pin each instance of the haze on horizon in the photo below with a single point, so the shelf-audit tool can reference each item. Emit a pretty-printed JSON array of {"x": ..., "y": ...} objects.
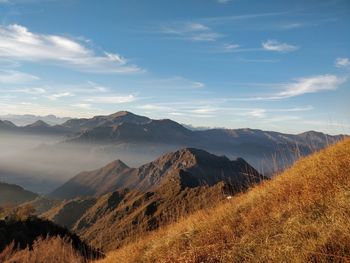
[{"x": 213, "y": 63}]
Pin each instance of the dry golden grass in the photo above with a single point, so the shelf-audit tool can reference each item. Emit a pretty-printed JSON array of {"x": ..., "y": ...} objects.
[
  {"x": 51, "y": 250},
  {"x": 303, "y": 215}
]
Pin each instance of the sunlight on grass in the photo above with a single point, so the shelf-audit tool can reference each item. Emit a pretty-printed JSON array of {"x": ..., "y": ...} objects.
[{"x": 300, "y": 216}]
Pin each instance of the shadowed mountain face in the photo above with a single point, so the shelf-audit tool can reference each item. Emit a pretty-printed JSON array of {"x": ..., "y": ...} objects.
[
  {"x": 189, "y": 167},
  {"x": 132, "y": 201},
  {"x": 24, "y": 233},
  {"x": 11, "y": 194}
]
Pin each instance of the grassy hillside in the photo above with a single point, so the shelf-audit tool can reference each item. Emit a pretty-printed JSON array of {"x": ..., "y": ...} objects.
[
  {"x": 300, "y": 216},
  {"x": 36, "y": 240}
]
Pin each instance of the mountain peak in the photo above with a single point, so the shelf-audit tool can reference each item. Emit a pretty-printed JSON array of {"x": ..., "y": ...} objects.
[
  {"x": 197, "y": 156},
  {"x": 120, "y": 114},
  {"x": 38, "y": 123},
  {"x": 117, "y": 164},
  {"x": 7, "y": 124}
]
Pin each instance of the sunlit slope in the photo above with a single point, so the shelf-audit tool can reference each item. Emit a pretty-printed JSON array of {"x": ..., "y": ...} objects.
[{"x": 301, "y": 216}]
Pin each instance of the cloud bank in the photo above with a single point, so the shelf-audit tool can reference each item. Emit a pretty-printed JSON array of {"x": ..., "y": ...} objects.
[{"x": 19, "y": 44}]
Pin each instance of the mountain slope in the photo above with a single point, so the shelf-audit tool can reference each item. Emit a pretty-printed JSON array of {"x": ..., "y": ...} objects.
[
  {"x": 123, "y": 216},
  {"x": 139, "y": 200},
  {"x": 21, "y": 239},
  {"x": 300, "y": 216},
  {"x": 94, "y": 183},
  {"x": 6, "y": 125},
  {"x": 14, "y": 194},
  {"x": 192, "y": 167}
]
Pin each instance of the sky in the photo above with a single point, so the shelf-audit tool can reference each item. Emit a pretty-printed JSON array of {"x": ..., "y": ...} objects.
[{"x": 272, "y": 65}]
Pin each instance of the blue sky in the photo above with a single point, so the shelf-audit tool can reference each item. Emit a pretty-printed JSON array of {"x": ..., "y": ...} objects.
[{"x": 273, "y": 65}]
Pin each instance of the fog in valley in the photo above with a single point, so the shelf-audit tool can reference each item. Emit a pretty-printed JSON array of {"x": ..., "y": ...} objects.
[{"x": 42, "y": 163}]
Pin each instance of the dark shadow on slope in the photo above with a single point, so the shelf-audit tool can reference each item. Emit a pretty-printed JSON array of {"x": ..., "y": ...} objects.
[{"x": 24, "y": 233}]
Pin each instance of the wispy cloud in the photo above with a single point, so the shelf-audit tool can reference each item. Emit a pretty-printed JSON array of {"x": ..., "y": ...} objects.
[
  {"x": 225, "y": 19},
  {"x": 230, "y": 46},
  {"x": 111, "y": 99},
  {"x": 276, "y": 46},
  {"x": 59, "y": 95},
  {"x": 223, "y": 1},
  {"x": 32, "y": 91},
  {"x": 82, "y": 105},
  {"x": 289, "y": 26},
  {"x": 311, "y": 85},
  {"x": 19, "y": 44},
  {"x": 342, "y": 63},
  {"x": 300, "y": 87},
  {"x": 174, "y": 82},
  {"x": 191, "y": 31},
  {"x": 16, "y": 77},
  {"x": 198, "y": 108}
]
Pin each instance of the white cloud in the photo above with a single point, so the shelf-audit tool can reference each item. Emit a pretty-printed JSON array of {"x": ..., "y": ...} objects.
[
  {"x": 154, "y": 107},
  {"x": 207, "y": 37},
  {"x": 19, "y": 44},
  {"x": 59, "y": 95},
  {"x": 196, "y": 27},
  {"x": 82, "y": 105},
  {"x": 274, "y": 45},
  {"x": 204, "y": 109},
  {"x": 230, "y": 46},
  {"x": 16, "y": 77},
  {"x": 311, "y": 85},
  {"x": 198, "y": 84},
  {"x": 35, "y": 91},
  {"x": 174, "y": 82},
  {"x": 291, "y": 26},
  {"x": 192, "y": 31},
  {"x": 299, "y": 87},
  {"x": 342, "y": 63},
  {"x": 223, "y": 1},
  {"x": 111, "y": 99}
]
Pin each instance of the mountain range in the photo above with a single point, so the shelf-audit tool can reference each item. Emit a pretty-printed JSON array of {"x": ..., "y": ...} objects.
[
  {"x": 136, "y": 200},
  {"x": 92, "y": 142},
  {"x": 26, "y": 119}
]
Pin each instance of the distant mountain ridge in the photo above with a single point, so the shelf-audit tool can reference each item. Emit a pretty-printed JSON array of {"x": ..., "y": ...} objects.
[
  {"x": 189, "y": 167},
  {"x": 126, "y": 126},
  {"x": 76, "y": 125},
  {"x": 92, "y": 142},
  {"x": 26, "y": 119}
]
